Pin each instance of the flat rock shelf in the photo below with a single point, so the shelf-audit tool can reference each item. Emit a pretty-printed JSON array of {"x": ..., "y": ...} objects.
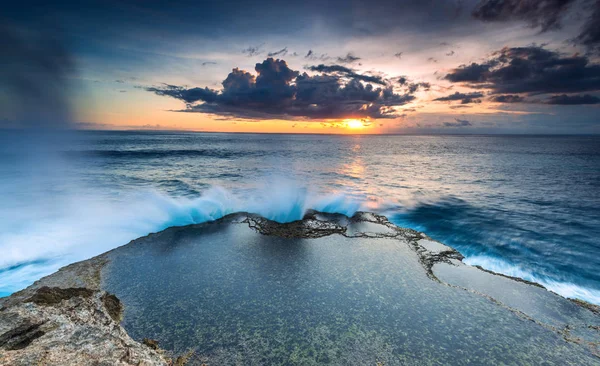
[{"x": 325, "y": 290}]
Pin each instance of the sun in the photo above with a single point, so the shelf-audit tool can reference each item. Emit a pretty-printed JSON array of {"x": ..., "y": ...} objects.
[{"x": 354, "y": 123}]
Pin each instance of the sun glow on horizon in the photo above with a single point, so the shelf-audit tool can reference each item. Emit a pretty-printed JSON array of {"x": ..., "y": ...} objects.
[{"x": 354, "y": 123}]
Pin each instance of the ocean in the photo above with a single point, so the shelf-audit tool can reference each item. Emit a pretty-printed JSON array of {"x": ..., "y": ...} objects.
[{"x": 525, "y": 206}]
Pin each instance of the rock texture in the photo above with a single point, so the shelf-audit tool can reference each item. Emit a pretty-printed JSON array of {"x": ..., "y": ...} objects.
[
  {"x": 69, "y": 318},
  {"x": 55, "y": 323}
]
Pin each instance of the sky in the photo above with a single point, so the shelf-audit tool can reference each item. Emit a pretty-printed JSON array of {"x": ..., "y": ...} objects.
[{"x": 379, "y": 66}]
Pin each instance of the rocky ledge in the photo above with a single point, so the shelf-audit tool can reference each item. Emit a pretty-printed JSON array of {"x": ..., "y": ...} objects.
[{"x": 327, "y": 289}]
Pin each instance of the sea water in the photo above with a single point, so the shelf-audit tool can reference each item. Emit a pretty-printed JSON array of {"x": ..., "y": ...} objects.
[{"x": 526, "y": 206}]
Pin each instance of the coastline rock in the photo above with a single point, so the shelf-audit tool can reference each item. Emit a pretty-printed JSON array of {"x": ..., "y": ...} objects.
[{"x": 328, "y": 289}]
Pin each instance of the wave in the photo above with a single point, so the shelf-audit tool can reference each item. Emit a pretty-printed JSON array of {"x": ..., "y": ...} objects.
[
  {"x": 36, "y": 242},
  {"x": 502, "y": 241},
  {"x": 565, "y": 289},
  {"x": 164, "y": 153}
]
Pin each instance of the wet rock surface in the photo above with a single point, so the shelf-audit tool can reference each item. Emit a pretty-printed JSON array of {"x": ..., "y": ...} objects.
[{"x": 328, "y": 289}]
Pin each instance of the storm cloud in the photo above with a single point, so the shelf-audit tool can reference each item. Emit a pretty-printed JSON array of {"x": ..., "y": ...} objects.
[{"x": 278, "y": 92}]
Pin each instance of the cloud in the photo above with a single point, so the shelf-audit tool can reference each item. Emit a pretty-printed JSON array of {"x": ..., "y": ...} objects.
[
  {"x": 35, "y": 79},
  {"x": 590, "y": 32},
  {"x": 348, "y": 59},
  {"x": 507, "y": 98},
  {"x": 412, "y": 87},
  {"x": 187, "y": 95},
  {"x": 281, "y": 52},
  {"x": 531, "y": 70},
  {"x": 398, "y": 55},
  {"x": 278, "y": 92},
  {"x": 343, "y": 70},
  {"x": 311, "y": 55},
  {"x": 253, "y": 50},
  {"x": 545, "y": 14},
  {"x": 458, "y": 123},
  {"x": 465, "y": 98},
  {"x": 573, "y": 100},
  {"x": 468, "y": 73},
  {"x": 208, "y": 63}
]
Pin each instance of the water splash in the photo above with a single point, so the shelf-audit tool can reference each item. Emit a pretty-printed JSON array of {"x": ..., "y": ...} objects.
[{"x": 84, "y": 226}]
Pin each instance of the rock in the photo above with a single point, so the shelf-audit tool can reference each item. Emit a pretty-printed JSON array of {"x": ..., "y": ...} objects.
[
  {"x": 326, "y": 289},
  {"x": 151, "y": 343},
  {"x": 73, "y": 326}
]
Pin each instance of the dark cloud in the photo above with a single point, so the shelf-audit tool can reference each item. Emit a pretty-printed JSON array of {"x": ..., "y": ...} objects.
[
  {"x": 35, "y": 79},
  {"x": 573, "y": 99},
  {"x": 398, "y": 55},
  {"x": 343, "y": 70},
  {"x": 348, "y": 59},
  {"x": 431, "y": 59},
  {"x": 278, "y": 92},
  {"x": 187, "y": 95},
  {"x": 451, "y": 53},
  {"x": 119, "y": 81},
  {"x": 545, "y": 14},
  {"x": 412, "y": 87},
  {"x": 590, "y": 32},
  {"x": 465, "y": 98},
  {"x": 208, "y": 63},
  {"x": 458, "y": 123},
  {"x": 311, "y": 55},
  {"x": 531, "y": 70},
  {"x": 472, "y": 73},
  {"x": 281, "y": 52},
  {"x": 253, "y": 50},
  {"x": 507, "y": 98}
]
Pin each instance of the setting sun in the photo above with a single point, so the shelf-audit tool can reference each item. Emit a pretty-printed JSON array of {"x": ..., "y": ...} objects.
[{"x": 354, "y": 123}]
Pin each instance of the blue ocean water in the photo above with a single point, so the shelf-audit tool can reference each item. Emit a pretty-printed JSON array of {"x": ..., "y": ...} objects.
[{"x": 526, "y": 206}]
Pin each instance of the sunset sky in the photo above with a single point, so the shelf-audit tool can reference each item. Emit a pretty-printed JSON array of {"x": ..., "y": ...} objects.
[{"x": 383, "y": 66}]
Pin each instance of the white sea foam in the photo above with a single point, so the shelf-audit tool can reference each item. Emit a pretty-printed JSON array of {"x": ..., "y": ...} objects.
[
  {"x": 36, "y": 239},
  {"x": 565, "y": 289}
]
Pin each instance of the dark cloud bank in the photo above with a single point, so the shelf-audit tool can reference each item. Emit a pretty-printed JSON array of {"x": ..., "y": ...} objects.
[
  {"x": 34, "y": 79},
  {"x": 547, "y": 15},
  {"x": 278, "y": 92},
  {"x": 519, "y": 74}
]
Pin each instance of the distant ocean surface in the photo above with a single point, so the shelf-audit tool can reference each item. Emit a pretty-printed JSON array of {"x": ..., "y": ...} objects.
[{"x": 526, "y": 206}]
